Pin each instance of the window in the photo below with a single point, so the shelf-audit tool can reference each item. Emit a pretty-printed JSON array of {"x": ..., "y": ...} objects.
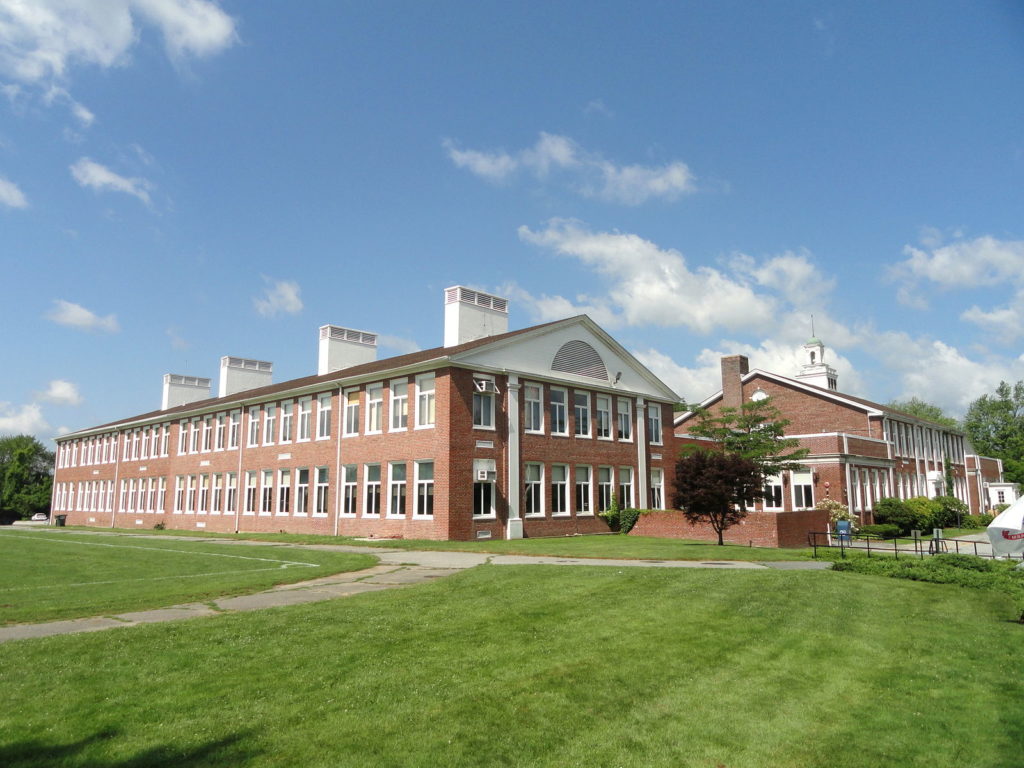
[
  {"x": 350, "y": 489},
  {"x": 773, "y": 492},
  {"x": 287, "y": 412},
  {"x": 803, "y": 490},
  {"x": 603, "y": 409},
  {"x": 657, "y": 489},
  {"x": 654, "y": 424},
  {"x": 399, "y": 405},
  {"x": 424, "y": 489},
  {"x": 143, "y": 454},
  {"x": 302, "y": 491},
  {"x": 323, "y": 416},
  {"x": 150, "y": 499},
  {"x": 131, "y": 496},
  {"x": 219, "y": 439},
  {"x": 371, "y": 494},
  {"x": 267, "y": 491},
  {"x": 396, "y": 493},
  {"x": 425, "y": 400},
  {"x": 165, "y": 434},
  {"x": 204, "y": 494},
  {"x": 207, "y": 434},
  {"x": 374, "y": 406},
  {"x": 236, "y": 417},
  {"x": 533, "y": 412},
  {"x": 254, "y": 426},
  {"x": 483, "y": 490},
  {"x": 1001, "y": 497},
  {"x": 581, "y": 410},
  {"x": 190, "y": 495},
  {"x": 305, "y": 413},
  {"x": 135, "y": 445},
  {"x": 161, "y": 499},
  {"x": 322, "y": 478},
  {"x": 194, "y": 436},
  {"x": 583, "y": 491},
  {"x": 179, "y": 494},
  {"x": 250, "y": 492},
  {"x": 218, "y": 494},
  {"x": 625, "y": 487},
  {"x": 625, "y": 422},
  {"x": 182, "y": 437},
  {"x": 604, "y": 489},
  {"x": 559, "y": 489},
  {"x": 558, "y": 422},
  {"x": 352, "y": 412},
  {"x": 231, "y": 501},
  {"x": 269, "y": 423},
  {"x": 284, "y": 491},
  {"x": 533, "y": 498},
  {"x": 483, "y": 403}
]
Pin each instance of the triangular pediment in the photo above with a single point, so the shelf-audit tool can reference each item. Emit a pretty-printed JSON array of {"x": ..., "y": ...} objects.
[{"x": 576, "y": 351}]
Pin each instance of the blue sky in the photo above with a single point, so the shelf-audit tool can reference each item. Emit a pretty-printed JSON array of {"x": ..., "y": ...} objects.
[{"x": 182, "y": 180}]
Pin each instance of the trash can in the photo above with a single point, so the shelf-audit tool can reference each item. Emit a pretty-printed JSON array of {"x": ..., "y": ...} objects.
[{"x": 61, "y": 520}]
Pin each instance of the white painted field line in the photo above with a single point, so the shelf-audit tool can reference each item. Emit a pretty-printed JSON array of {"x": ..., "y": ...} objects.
[
  {"x": 46, "y": 538},
  {"x": 151, "y": 578}
]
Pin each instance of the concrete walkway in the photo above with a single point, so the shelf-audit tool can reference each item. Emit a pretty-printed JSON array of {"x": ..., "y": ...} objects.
[{"x": 397, "y": 568}]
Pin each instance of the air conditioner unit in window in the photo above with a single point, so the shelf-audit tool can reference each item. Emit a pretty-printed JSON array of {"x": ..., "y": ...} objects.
[
  {"x": 486, "y": 385},
  {"x": 486, "y": 476}
]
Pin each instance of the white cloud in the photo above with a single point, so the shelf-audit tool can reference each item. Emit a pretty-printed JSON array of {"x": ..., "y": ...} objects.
[
  {"x": 589, "y": 173},
  {"x": 19, "y": 420},
  {"x": 791, "y": 274},
  {"x": 56, "y": 94},
  {"x": 177, "y": 342},
  {"x": 651, "y": 285},
  {"x": 91, "y": 174},
  {"x": 598, "y": 107},
  {"x": 965, "y": 264},
  {"x": 1006, "y": 321},
  {"x": 76, "y": 316},
  {"x": 280, "y": 296},
  {"x": 40, "y": 40},
  {"x": 11, "y": 195},
  {"x": 397, "y": 343},
  {"x": 61, "y": 392}
]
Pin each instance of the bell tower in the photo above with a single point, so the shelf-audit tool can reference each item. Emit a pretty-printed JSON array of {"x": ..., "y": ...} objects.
[{"x": 814, "y": 369}]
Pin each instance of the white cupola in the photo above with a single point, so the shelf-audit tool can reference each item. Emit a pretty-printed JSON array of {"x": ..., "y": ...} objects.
[{"x": 814, "y": 369}]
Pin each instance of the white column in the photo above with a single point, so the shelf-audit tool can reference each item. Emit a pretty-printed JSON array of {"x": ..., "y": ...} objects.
[
  {"x": 641, "y": 454},
  {"x": 515, "y": 520}
]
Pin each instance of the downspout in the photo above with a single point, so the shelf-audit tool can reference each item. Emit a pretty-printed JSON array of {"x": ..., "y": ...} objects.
[
  {"x": 337, "y": 464},
  {"x": 239, "y": 488},
  {"x": 641, "y": 453}
]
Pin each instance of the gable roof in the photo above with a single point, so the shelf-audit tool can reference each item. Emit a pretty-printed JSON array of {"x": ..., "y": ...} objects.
[
  {"x": 870, "y": 407},
  {"x": 423, "y": 359}
]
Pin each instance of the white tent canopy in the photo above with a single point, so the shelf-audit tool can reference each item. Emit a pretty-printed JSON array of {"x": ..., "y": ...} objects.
[{"x": 1006, "y": 532}]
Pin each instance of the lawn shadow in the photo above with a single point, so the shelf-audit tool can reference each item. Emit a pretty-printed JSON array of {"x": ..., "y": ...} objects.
[{"x": 33, "y": 753}]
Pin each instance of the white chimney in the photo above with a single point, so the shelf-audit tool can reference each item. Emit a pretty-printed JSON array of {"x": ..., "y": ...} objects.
[
  {"x": 238, "y": 374},
  {"x": 344, "y": 347},
  {"x": 471, "y": 315},
  {"x": 180, "y": 390}
]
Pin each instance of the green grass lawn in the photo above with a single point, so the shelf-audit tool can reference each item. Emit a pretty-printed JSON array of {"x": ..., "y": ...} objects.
[
  {"x": 604, "y": 545},
  {"x": 59, "y": 575},
  {"x": 541, "y": 666}
]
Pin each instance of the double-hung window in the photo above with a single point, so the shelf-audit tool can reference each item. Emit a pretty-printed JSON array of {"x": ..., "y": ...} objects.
[
  {"x": 399, "y": 405},
  {"x": 269, "y": 423},
  {"x": 204, "y": 494},
  {"x": 803, "y": 490},
  {"x": 581, "y": 411},
  {"x": 533, "y": 410},
  {"x": 233, "y": 427},
  {"x": 371, "y": 491},
  {"x": 323, "y": 412},
  {"x": 322, "y": 491},
  {"x": 374, "y": 407},
  {"x": 284, "y": 491},
  {"x": 483, "y": 403},
  {"x": 654, "y": 424},
  {"x": 287, "y": 414},
  {"x": 559, "y": 425},
  {"x": 267, "y": 492},
  {"x": 773, "y": 492},
  {"x": 396, "y": 493},
  {"x": 190, "y": 497},
  {"x": 625, "y": 487},
  {"x": 250, "y": 492},
  {"x": 254, "y": 426},
  {"x": 194, "y": 445},
  {"x": 302, "y": 491},
  {"x": 583, "y": 491},
  {"x": 350, "y": 490},
  {"x": 602, "y": 416},
  {"x": 625, "y": 422},
  {"x": 219, "y": 438},
  {"x": 533, "y": 498},
  {"x": 351, "y": 412},
  {"x": 559, "y": 489},
  {"x": 207, "y": 434},
  {"x": 182, "y": 437},
  {"x": 657, "y": 489},
  {"x": 424, "y": 489},
  {"x": 231, "y": 499},
  {"x": 305, "y": 414},
  {"x": 425, "y": 400},
  {"x": 604, "y": 489},
  {"x": 218, "y": 494},
  {"x": 179, "y": 494}
]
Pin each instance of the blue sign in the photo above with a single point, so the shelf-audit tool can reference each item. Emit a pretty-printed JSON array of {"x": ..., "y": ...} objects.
[{"x": 845, "y": 531}]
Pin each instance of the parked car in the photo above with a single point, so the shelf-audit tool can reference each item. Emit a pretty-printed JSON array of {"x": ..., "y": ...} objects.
[{"x": 40, "y": 517}]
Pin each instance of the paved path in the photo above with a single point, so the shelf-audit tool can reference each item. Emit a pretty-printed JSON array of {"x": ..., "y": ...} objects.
[{"x": 397, "y": 568}]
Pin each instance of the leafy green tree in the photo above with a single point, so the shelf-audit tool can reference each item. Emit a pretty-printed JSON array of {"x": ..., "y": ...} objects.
[
  {"x": 26, "y": 477},
  {"x": 922, "y": 410},
  {"x": 995, "y": 426},
  {"x": 755, "y": 431},
  {"x": 716, "y": 487}
]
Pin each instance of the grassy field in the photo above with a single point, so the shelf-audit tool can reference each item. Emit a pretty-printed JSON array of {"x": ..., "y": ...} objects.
[
  {"x": 541, "y": 666},
  {"x": 610, "y": 545},
  {"x": 51, "y": 575}
]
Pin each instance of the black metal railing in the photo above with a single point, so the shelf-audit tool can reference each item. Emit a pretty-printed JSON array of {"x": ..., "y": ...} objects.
[{"x": 919, "y": 547}]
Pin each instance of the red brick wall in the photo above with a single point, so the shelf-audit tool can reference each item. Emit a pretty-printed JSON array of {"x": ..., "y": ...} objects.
[{"x": 759, "y": 529}]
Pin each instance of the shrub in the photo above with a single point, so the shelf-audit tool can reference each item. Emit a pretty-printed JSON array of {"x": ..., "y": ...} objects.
[
  {"x": 971, "y": 522},
  {"x": 894, "y": 512},
  {"x": 612, "y": 515},
  {"x": 838, "y": 511},
  {"x": 948, "y": 511},
  {"x": 986, "y": 520},
  {"x": 998, "y": 508},
  {"x": 159, "y": 527},
  {"x": 922, "y": 512},
  {"x": 628, "y": 518},
  {"x": 882, "y": 530}
]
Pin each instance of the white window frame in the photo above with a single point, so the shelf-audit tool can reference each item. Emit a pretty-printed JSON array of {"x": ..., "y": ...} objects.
[
  {"x": 193, "y": 436},
  {"x": 253, "y": 432},
  {"x": 203, "y": 505},
  {"x": 533, "y": 489},
  {"x": 399, "y": 405},
  {"x": 179, "y": 494},
  {"x": 350, "y": 428},
  {"x": 375, "y": 408},
  {"x": 302, "y": 494},
  {"x": 371, "y": 491},
  {"x": 349, "y": 490},
  {"x": 216, "y": 493},
  {"x": 321, "y": 500},
  {"x": 266, "y": 492},
  {"x": 323, "y": 416},
  {"x": 401, "y": 486},
  {"x": 605, "y": 489},
  {"x": 554, "y": 408},
  {"x": 584, "y": 409},
  {"x": 287, "y": 421},
  {"x": 654, "y": 427},
  {"x": 484, "y": 415},
  {"x": 657, "y": 489},
  {"x": 252, "y": 493},
  {"x": 426, "y": 401},
  {"x": 424, "y": 491},
  {"x": 207, "y": 441},
  {"x": 183, "y": 437},
  {"x": 560, "y": 490},
  {"x": 624, "y": 418},
  {"x": 774, "y": 481},
  {"x": 230, "y": 492},
  {"x": 234, "y": 428},
  {"x": 805, "y": 480},
  {"x": 284, "y": 492},
  {"x": 588, "y": 496},
  {"x": 629, "y": 486},
  {"x": 305, "y": 432},
  {"x": 219, "y": 441},
  {"x": 490, "y": 465},
  {"x": 533, "y": 408},
  {"x": 269, "y": 423}
]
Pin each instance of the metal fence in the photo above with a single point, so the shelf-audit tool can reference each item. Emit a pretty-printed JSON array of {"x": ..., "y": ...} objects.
[{"x": 919, "y": 547}]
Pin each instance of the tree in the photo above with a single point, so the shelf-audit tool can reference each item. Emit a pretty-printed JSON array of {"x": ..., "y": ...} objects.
[
  {"x": 995, "y": 426},
  {"x": 26, "y": 477},
  {"x": 922, "y": 410},
  {"x": 716, "y": 487},
  {"x": 754, "y": 431}
]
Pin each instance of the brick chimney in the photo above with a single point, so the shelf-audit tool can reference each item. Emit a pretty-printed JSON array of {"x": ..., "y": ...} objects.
[{"x": 734, "y": 367}]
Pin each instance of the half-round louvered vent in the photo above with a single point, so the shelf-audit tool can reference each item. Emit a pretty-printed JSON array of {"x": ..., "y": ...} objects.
[{"x": 580, "y": 358}]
